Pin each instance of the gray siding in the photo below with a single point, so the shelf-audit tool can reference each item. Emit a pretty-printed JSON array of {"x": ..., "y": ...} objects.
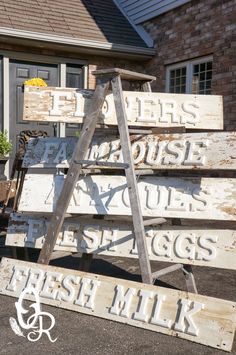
[{"x": 139, "y": 11}]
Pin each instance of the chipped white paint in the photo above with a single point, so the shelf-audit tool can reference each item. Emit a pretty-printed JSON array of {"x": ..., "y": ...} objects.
[
  {"x": 187, "y": 245},
  {"x": 143, "y": 109},
  {"x": 155, "y": 151},
  {"x": 200, "y": 198},
  {"x": 200, "y": 319}
]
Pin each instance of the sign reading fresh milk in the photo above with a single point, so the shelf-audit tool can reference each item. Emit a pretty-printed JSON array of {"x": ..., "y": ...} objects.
[{"x": 188, "y": 316}]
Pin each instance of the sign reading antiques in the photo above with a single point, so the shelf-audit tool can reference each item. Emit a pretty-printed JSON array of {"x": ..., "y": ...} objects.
[
  {"x": 143, "y": 109},
  {"x": 183, "y": 244},
  {"x": 188, "y": 316},
  {"x": 163, "y": 151},
  {"x": 200, "y": 198}
]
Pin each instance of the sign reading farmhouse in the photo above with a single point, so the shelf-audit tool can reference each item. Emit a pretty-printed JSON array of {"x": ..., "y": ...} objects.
[
  {"x": 201, "y": 319},
  {"x": 187, "y": 245},
  {"x": 200, "y": 198},
  {"x": 163, "y": 151},
  {"x": 143, "y": 109}
]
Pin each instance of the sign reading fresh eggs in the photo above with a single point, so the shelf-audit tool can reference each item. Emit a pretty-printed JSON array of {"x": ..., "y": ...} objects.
[
  {"x": 187, "y": 245},
  {"x": 143, "y": 109},
  {"x": 172, "y": 312}
]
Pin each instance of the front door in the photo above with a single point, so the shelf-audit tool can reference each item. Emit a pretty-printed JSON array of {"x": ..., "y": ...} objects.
[{"x": 19, "y": 72}]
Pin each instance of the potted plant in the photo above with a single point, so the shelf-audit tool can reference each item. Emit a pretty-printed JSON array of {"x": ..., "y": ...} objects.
[{"x": 5, "y": 149}]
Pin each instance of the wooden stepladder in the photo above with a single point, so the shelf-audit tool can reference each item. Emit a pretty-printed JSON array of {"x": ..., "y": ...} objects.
[{"x": 105, "y": 78}]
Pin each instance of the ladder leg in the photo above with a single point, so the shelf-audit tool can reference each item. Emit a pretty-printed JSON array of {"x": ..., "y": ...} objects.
[
  {"x": 85, "y": 262},
  {"x": 189, "y": 278},
  {"x": 131, "y": 181},
  {"x": 74, "y": 170}
]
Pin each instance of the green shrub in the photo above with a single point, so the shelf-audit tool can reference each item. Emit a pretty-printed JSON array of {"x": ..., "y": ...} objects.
[{"x": 5, "y": 145}]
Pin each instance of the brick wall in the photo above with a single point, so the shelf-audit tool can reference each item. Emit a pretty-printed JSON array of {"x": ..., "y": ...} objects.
[{"x": 197, "y": 29}]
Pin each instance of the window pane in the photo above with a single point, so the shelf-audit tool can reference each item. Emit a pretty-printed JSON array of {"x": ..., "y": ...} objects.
[
  {"x": 208, "y": 75},
  {"x": 183, "y": 71},
  {"x": 202, "y": 78},
  {"x": 74, "y": 79},
  {"x": 209, "y": 66},
  {"x": 203, "y": 67},
  {"x": 74, "y": 76},
  {"x": 208, "y": 84},
  {"x": 177, "y": 89},
  {"x": 177, "y": 82},
  {"x": 196, "y": 69}
]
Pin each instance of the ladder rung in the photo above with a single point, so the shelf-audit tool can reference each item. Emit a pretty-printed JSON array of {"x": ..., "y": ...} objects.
[
  {"x": 154, "y": 221},
  {"x": 140, "y": 131},
  {"x": 102, "y": 163},
  {"x": 166, "y": 270}
]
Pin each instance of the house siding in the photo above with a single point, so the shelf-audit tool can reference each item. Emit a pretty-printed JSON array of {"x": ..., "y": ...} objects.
[{"x": 143, "y": 10}]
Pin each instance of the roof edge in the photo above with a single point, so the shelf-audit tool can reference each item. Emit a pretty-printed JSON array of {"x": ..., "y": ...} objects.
[
  {"x": 78, "y": 42},
  {"x": 138, "y": 28}
]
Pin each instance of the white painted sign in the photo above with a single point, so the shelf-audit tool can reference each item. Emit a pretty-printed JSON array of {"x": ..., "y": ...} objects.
[
  {"x": 155, "y": 151},
  {"x": 187, "y": 245},
  {"x": 143, "y": 109},
  {"x": 200, "y": 198},
  {"x": 201, "y": 319}
]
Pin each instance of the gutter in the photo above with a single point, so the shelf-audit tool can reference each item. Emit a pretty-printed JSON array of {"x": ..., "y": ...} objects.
[{"x": 77, "y": 42}]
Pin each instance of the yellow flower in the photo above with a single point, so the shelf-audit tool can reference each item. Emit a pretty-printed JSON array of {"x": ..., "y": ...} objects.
[{"x": 35, "y": 82}]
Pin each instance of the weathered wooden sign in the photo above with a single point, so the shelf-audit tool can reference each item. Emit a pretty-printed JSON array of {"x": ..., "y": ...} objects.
[
  {"x": 187, "y": 245},
  {"x": 162, "y": 151},
  {"x": 201, "y": 319},
  {"x": 200, "y": 198},
  {"x": 143, "y": 109}
]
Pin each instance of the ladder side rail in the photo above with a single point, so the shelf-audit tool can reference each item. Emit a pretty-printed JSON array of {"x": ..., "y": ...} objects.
[
  {"x": 74, "y": 170},
  {"x": 131, "y": 181}
]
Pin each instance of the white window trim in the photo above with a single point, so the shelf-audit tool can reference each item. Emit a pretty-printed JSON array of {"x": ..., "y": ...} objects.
[{"x": 189, "y": 71}]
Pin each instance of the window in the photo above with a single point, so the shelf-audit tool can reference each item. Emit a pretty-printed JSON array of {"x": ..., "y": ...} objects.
[
  {"x": 193, "y": 77},
  {"x": 74, "y": 79}
]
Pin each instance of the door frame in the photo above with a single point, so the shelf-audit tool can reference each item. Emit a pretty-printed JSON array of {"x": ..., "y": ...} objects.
[{"x": 43, "y": 59}]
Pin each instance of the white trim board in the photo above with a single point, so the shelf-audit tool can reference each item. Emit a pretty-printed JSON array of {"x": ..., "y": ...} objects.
[{"x": 77, "y": 42}]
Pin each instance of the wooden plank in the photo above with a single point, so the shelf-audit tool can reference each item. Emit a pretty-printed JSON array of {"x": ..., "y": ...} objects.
[
  {"x": 74, "y": 171},
  {"x": 197, "y": 318},
  {"x": 184, "y": 244},
  {"x": 156, "y": 151},
  {"x": 124, "y": 74},
  {"x": 195, "y": 198},
  {"x": 70, "y": 105}
]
